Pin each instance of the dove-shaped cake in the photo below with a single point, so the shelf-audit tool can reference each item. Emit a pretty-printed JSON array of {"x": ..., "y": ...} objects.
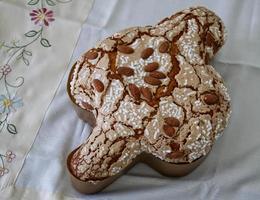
[{"x": 151, "y": 96}]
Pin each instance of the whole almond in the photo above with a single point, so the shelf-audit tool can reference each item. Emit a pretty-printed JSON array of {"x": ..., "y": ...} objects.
[
  {"x": 125, "y": 49},
  {"x": 169, "y": 130},
  {"x": 152, "y": 81},
  {"x": 157, "y": 74},
  {"x": 98, "y": 85},
  {"x": 211, "y": 98},
  {"x": 91, "y": 55},
  {"x": 114, "y": 76},
  {"x": 151, "y": 67},
  {"x": 175, "y": 146},
  {"x": 146, "y": 93},
  {"x": 164, "y": 46},
  {"x": 87, "y": 106},
  {"x": 172, "y": 121},
  {"x": 134, "y": 91},
  {"x": 146, "y": 53},
  {"x": 127, "y": 71},
  {"x": 175, "y": 154},
  {"x": 210, "y": 40}
]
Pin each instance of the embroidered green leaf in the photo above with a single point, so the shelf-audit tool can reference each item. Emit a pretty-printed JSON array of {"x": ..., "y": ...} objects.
[
  {"x": 33, "y": 2},
  {"x": 45, "y": 42},
  {"x": 1, "y": 125},
  {"x": 13, "y": 42},
  {"x": 26, "y": 61},
  {"x": 31, "y": 33},
  {"x": 50, "y": 2},
  {"x": 1, "y": 44},
  {"x": 28, "y": 53},
  {"x": 11, "y": 129},
  {"x": 19, "y": 56},
  {"x": 9, "y": 49}
]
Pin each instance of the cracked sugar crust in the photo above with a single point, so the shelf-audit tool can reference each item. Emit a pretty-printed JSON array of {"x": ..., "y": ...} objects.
[{"x": 151, "y": 90}]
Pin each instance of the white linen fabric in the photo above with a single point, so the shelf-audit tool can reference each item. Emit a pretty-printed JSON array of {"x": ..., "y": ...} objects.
[
  {"x": 37, "y": 38},
  {"x": 231, "y": 171}
]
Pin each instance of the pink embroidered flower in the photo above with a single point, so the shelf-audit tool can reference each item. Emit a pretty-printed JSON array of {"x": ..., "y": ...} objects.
[
  {"x": 6, "y": 69},
  {"x": 42, "y": 16},
  {"x": 9, "y": 156},
  {"x": 3, "y": 171}
]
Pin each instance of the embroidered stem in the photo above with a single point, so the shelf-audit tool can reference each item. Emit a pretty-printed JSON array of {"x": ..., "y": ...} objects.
[
  {"x": 3, "y": 163},
  {"x": 8, "y": 157},
  {"x": 2, "y": 123},
  {"x": 37, "y": 35}
]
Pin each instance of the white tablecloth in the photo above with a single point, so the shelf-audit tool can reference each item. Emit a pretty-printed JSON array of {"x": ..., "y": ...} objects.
[{"x": 231, "y": 171}]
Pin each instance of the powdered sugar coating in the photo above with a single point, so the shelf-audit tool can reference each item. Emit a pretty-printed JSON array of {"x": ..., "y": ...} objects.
[
  {"x": 189, "y": 43},
  {"x": 131, "y": 114},
  {"x": 128, "y": 123}
]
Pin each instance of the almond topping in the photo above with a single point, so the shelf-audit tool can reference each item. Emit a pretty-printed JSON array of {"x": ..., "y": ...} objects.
[
  {"x": 210, "y": 40},
  {"x": 175, "y": 146},
  {"x": 175, "y": 154},
  {"x": 158, "y": 75},
  {"x": 146, "y": 93},
  {"x": 91, "y": 55},
  {"x": 146, "y": 53},
  {"x": 211, "y": 98},
  {"x": 151, "y": 67},
  {"x": 169, "y": 130},
  {"x": 152, "y": 81},
  {"x": 125, "y": 49},
  {"x": 98, "y": 85},
  {"x": 134, "y": 91},
  {"x": 87, "y": 106},
  {"x": 127, "y": 71},
  {"x": 164, "y": 46},
  {"x": 172, "y": 121},
  {"x": 114, "y": 76}
]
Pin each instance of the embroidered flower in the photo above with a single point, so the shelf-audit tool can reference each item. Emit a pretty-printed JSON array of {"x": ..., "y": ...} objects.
[
  {"x": 6, "y": 69},
  {"x": 3, "y": 171},
  {"x": 9, "y": 156},
  {"x": 42, "y": 16},
  {"x": 8, "y": 105}
]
